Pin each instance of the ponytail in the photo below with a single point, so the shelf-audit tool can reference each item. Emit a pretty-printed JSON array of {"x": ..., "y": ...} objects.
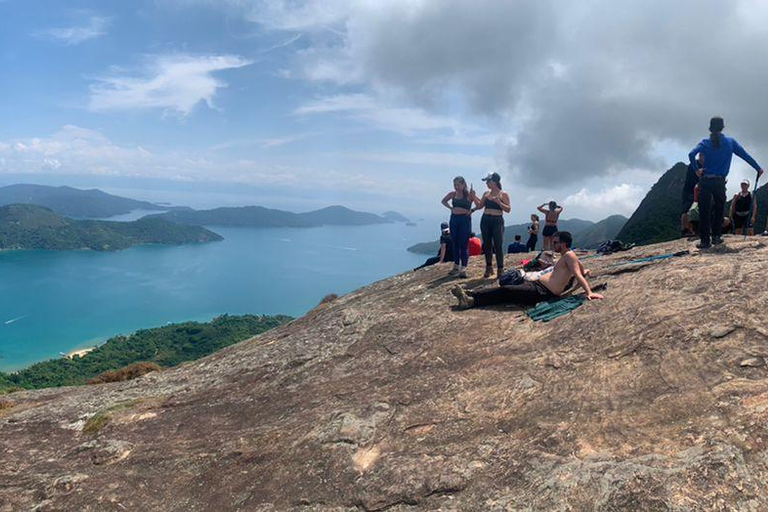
[{"x": 716, "y": 125}]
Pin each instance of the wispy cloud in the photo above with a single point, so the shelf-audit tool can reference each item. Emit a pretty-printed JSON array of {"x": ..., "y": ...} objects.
[
  {"x": 426, "y": 158},
  {"x": 264, "y": 143},
  {"x": 170, "y": 82},
  {"x": 377, "y": 114},
  {"x": 94, "y": 27}
]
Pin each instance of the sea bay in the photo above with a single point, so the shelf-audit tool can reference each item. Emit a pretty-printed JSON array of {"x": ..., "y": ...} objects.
[{"x": 58, "y": 301}]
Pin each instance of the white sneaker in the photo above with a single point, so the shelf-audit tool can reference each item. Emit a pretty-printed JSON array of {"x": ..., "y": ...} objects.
[{"x": 463, "y": 272}]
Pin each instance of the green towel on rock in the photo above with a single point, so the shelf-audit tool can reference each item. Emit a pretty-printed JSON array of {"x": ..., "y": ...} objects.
[{"x": 546, "y": 311}]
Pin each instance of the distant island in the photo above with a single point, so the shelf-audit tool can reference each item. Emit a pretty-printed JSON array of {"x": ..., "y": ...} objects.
[
  {"x": 25, "y": 226},
  {"x": 395, "y": 217},
  {"x": 260, "y": 217},
  {"x": 73, "y": 202}
]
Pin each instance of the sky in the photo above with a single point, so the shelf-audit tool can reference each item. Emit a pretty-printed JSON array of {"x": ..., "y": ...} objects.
[{"x": 376, "y": 105}]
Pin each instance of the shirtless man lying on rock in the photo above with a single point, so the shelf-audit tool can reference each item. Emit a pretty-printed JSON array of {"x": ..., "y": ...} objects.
[{"x": 549, "y": 286}]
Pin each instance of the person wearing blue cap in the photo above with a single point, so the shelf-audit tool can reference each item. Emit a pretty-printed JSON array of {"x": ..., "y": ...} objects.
[
  {"x": 445, "y": 253},
  {"x": 718, "y": 151}
]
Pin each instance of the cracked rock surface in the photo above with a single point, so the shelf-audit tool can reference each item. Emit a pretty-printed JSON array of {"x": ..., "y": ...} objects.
[{"x": 388, "y": 399}]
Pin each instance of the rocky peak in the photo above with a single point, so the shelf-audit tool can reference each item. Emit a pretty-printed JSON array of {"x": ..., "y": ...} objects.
[{"x": 387, "y": 398}]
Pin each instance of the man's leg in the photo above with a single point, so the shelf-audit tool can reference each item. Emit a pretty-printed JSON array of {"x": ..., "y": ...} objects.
[
  {"x": 718, "y": 207},
  {"x": 430, "y": 261},
  {"x": 705, "y": 211},
  {"x": 527, "y": 293}
]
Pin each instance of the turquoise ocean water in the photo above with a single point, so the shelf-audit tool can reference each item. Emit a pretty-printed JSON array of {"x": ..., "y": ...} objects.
[{"x": 58, "y": 301}]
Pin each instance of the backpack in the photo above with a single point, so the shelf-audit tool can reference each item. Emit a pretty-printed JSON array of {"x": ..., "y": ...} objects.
[
  {"x": 512, "y": 277},
  {"x": 544, "y": 259}
]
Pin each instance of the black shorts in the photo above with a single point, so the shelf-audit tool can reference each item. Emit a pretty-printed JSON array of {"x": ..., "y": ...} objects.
[
  {"x": 686, "y": 204},
  {"x": 549, "y": 230},
  {"x": 742, "y": 221}
]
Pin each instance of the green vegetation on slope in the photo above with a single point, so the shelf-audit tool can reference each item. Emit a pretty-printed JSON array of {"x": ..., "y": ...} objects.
[
  {"x": 24, "y": 226},
  {"x": 166, "y": 346},
  {"x": 657, "y": 219}
]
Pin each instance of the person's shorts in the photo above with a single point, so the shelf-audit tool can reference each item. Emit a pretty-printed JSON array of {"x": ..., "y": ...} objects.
[
  {"x": 687, "y": 203},
  {"x": 741, "y": 221},
  {"x": 549, "y": 230}
]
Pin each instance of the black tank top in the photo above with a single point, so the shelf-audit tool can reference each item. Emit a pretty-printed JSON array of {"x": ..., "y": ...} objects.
[
  {"x": 744, "y": 203},
  {"x": 492, "y": 205},
  {"x": 462, "y": 202}
]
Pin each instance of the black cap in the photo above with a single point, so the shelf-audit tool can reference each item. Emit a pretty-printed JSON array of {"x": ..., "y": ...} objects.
[
  {"x": 716, "y": 124},
  {"x": 493, "y": 176},
  {"x": 444, "y": 226}
]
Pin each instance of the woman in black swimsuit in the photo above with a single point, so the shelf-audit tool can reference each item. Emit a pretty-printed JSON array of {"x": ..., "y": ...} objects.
[
  {"x": 496, "y": 202},
  {"x": 743, "y": 213},
  {"x": 551, "y": 215},
  {"x": 533, "y": 233},
  {"x": 462, "y": 199}
]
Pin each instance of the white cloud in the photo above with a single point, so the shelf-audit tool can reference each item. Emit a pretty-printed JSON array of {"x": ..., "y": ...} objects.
[
  {"x": 424, "y": 158},
  {"x": 170, "y": 82},
  {"x": 376, "y": 113},
  {"x": 584, "y": 89},
  {"x": 621, "y": 199},
  {"x": 94, "y": 27}
]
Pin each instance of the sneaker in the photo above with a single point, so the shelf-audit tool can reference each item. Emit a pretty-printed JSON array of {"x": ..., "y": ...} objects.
[
  {"x": 704, "y": 245},
  {"x": 488, "y": 272},
  {"x": 454, "y": 271},
  {"x": 717, "y": 240},
  {"x": 463, "y": 273},
  {"x": 765, "y": 233},
  {"x": 465, "y": 301}
]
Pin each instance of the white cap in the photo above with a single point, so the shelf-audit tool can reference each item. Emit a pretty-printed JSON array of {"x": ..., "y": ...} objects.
[{"x": 745, "y": 181}]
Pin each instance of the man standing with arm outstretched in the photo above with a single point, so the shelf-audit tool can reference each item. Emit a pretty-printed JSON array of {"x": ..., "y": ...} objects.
[{"x": 718, "y": 151}]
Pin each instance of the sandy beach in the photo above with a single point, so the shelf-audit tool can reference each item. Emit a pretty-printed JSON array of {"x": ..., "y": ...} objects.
[{"x": 79, "y": 353}]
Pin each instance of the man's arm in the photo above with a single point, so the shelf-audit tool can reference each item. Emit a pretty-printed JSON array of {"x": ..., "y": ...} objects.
[
  {"x": 442, "y": 252},
  {"x": 733, "y": 206},
  {"x": 692, "y": 156},
  {"x": 742, "y": 153},
  {"x": 575, "y": 266}
]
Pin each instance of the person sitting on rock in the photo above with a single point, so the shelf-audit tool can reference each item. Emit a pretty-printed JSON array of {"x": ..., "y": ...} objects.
[
  {"x": 549, "y": 286},
  {"x": 475, "y": 245},
  {"x": 445, "y": 253},
  {"x": 517, "y": 247},
  {"x": 690, "y": 196}
]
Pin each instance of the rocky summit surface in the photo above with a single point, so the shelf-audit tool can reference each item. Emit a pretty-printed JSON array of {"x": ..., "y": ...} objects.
[{"x": 387, "y": 398}]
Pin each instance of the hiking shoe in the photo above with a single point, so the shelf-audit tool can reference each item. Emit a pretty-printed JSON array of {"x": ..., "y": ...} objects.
[
  {"x": 463, "y": 273},
  {"x": 488, "y": 272},
  {"x": 717, "y": 240},
  {"x": 499, "y": 272},
  {"x": 704, "y": 245},
  {"x": 454, "y": 271},
  {"x": 465, "y": 301}
]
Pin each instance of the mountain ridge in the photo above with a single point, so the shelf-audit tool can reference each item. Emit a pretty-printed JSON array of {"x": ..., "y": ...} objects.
[
  {"x": 73, "y": 202},
  {"x": 261, "y": 217}
]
